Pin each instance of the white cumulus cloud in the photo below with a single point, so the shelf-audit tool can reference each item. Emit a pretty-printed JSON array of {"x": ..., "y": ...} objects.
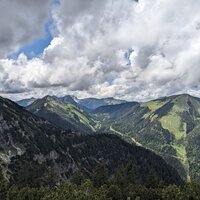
[{"x": 122, "y": 48}]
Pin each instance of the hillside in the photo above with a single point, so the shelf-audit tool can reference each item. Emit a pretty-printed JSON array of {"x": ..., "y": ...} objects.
[
  {"x": 105, "y": 115},
  {"x": 33, "y": 150},
  {"x": 170, "y": 127},
  {"x": 115, "y": 111},
  {"x": 69, "y": 112},
  {"x": 63, "y": 114}
]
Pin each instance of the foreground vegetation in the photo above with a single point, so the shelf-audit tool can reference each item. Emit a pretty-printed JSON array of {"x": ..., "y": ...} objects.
[{"x": 125, "y": 184}]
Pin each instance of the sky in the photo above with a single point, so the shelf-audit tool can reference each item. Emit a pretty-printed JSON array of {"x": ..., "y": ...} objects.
[{"x": 133, "y": 50}]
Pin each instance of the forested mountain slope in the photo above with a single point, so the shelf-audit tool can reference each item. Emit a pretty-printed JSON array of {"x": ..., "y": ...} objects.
[
  {"x": 63, "y": 114},
  {"x": 169, "y": 126}
]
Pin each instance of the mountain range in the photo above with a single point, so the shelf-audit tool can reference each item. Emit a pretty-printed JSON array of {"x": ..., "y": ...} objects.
[
  {"x": 86, "y": 104},
  {"x": 168, "y": 126},
  {"x": 26, "y": 102},
  {"x": 32, "y": 149}
]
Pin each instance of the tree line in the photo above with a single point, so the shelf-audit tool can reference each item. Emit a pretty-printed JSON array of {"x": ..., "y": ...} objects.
[{"x": 125, "y": 184}]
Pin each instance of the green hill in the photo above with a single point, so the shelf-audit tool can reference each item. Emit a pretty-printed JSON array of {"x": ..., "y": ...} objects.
[
  {"x": 62, "y": 114},
  {"x": 169, "y": 126}
]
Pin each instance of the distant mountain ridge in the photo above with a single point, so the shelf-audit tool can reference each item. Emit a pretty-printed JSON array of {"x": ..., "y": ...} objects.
[
  {"x": 85, "y": 104},
  {"x": 69, "y": 112},
  {"x": 93, "y": 103},
  {"x": 26, "y": 102},
  {"x": 63, "y": 113}
]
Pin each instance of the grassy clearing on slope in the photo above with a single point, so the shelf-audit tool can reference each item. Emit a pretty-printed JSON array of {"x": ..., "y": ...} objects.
[
  {"x": 181, "y": 151},
  {"x": 153, "y": 105},
  {"x": 97, "y": 125},
  {"x": 182, "y": 155},
  {"x": 172, "y": 122},
  {"x": 68, "y": 111},
  {"x": 178, "y": 109}
]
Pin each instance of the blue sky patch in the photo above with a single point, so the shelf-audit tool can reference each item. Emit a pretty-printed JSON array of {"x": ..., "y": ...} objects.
[{"x": 35, "y": 48}]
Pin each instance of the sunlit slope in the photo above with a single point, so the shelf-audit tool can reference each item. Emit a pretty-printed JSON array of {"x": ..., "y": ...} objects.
[
  {"x": 64, "y": 115},
  {"x": 168, "y": 126}
]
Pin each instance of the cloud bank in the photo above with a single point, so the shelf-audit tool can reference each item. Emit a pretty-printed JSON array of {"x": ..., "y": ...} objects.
[
  {"x": 122, "y": 48},
  {"x": 21, "y": 21}
]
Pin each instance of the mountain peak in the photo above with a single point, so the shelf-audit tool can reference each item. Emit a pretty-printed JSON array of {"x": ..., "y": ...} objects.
[
  {"x": 49, "y": 98},
  {"x": 26, "y": 102}
]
